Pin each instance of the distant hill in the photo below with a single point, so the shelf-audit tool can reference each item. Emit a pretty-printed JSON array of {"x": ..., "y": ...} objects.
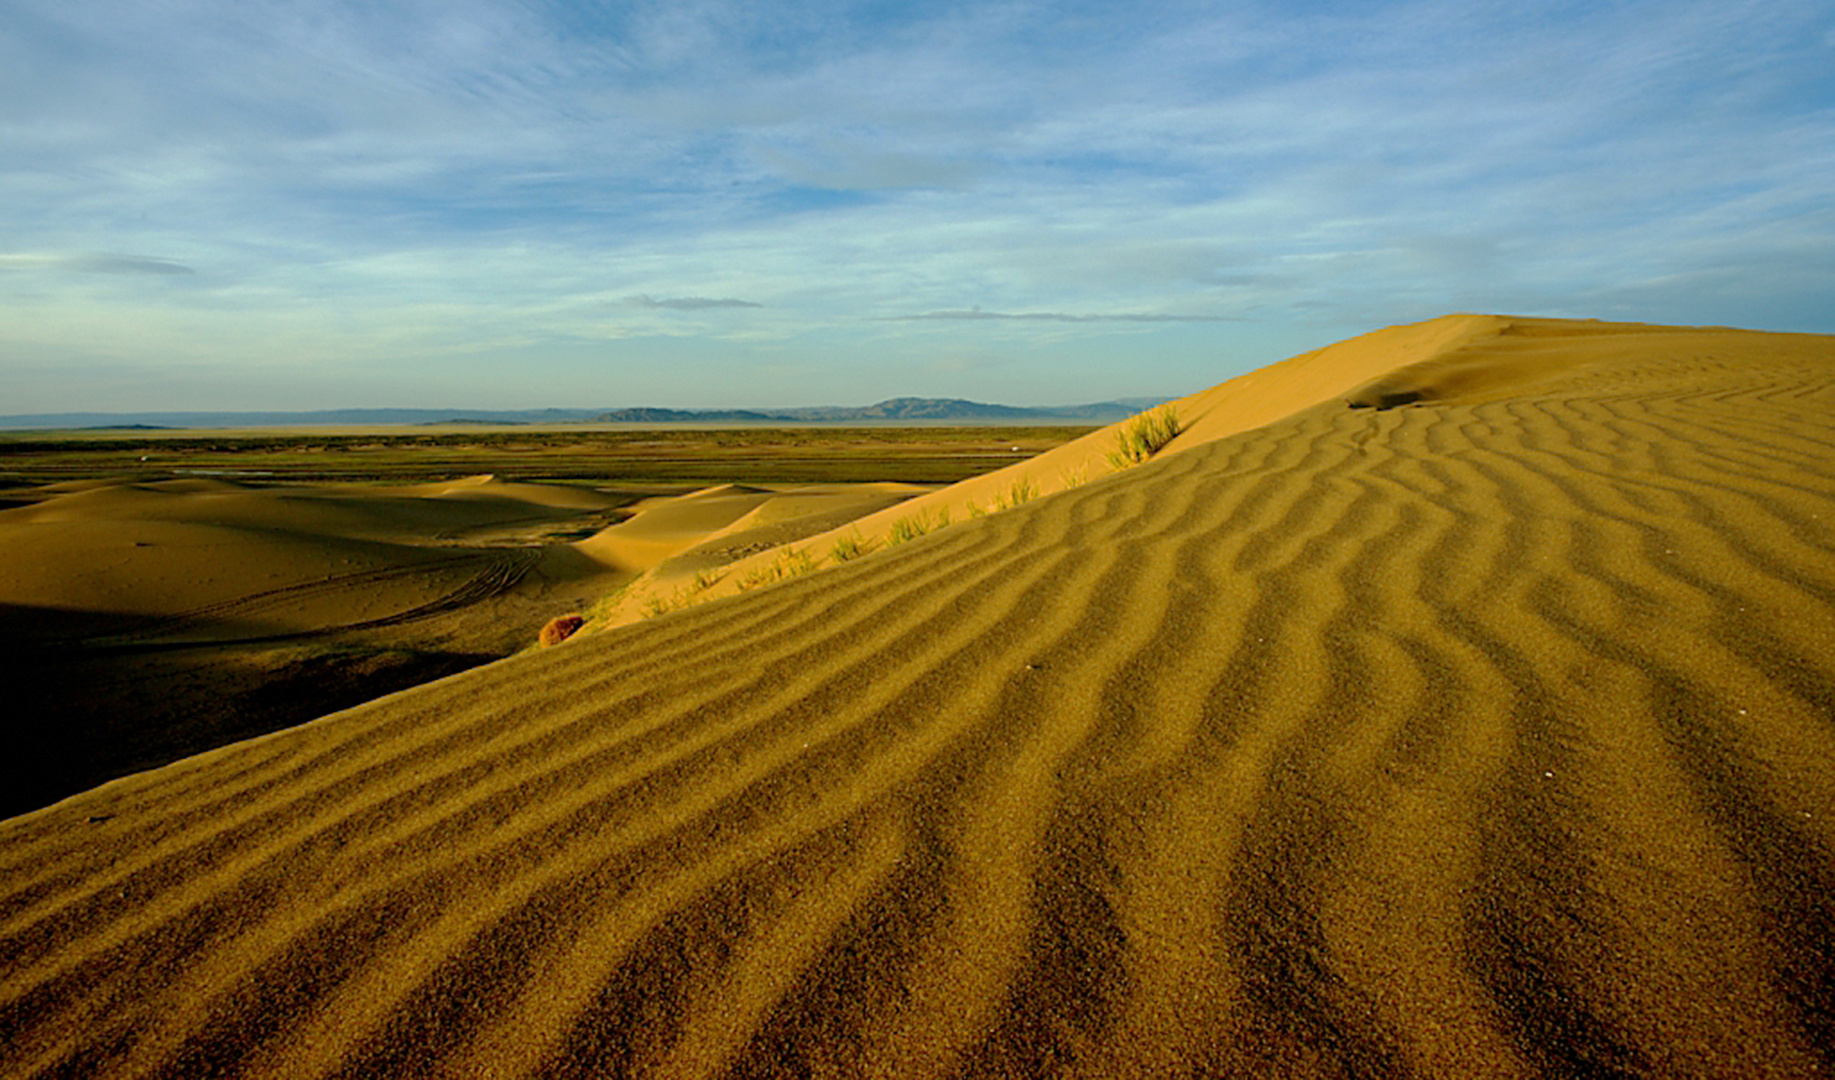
[
  {"x": 94, "y": 421},
  {"x": 905, "y": 408},
  {"x": 925, "y": 410},
  {"x": 652, "y": 415}
]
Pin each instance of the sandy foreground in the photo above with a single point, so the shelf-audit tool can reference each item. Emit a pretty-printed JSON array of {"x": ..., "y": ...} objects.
[{"x": 1486, "y": 728}]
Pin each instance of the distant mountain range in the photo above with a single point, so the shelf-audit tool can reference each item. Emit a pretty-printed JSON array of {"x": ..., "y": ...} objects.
[{"x": 924, "y": 410}]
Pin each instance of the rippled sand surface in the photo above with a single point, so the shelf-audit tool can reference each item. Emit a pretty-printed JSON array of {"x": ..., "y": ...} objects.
[{"x": 1490, "y": 734}]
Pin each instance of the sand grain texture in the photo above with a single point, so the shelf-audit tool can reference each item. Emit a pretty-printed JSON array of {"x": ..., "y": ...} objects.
[{"x": 1489, "y": 735}]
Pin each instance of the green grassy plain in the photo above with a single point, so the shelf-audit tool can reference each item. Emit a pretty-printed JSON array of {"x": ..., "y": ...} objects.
[{"x": 614, "y": 457}]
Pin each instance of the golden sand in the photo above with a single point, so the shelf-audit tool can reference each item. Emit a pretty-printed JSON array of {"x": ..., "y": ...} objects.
[
  {"x": 1488, "y": 735},
  {"x": 214, "y": 560}
]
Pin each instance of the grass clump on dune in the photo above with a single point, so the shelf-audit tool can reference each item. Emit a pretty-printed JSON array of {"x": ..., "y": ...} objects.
[
  {"x": 908, "y": 528},
  {"x": 787, "y": 565},
  {"x": 1144, "y": 436},
  {"x": 1021, "y": 491},
  {"x": 848, "y": 547},
  {"x": 762, "y": 575},
  {"x": 913, "y": 526}
]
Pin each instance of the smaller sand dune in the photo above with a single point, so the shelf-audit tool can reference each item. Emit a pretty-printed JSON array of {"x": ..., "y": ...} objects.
[
  {"x": 154, "y": 620},
  {"x": 199, "y": 559},
  {"x": 717, "y": 525},
  {"x": 788, "y": 517},
  {"x": 665, "y": 527},
  {"x": 487, "y": 488}
]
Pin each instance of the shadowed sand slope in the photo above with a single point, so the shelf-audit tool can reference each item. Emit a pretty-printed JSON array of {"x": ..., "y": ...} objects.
[
  {"x": 211, "y": 560},
  {"x": 1491, "y": 736}
]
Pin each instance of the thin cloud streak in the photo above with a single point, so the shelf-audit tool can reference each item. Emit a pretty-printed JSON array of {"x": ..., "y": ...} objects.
[
  {"x": 688, "y": 303},
  {"x": 97, "y": 263},
  {"x": 977, "y": 315},
  {"x": 554, "y": 189}
]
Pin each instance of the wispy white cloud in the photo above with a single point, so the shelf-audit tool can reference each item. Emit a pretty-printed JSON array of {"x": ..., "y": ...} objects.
[
  {"x": 689, "y": 303},
  {"x": 96, "y": 263},
  {"x": 978, "y": 315},
  {"x": 586, "y": 189}
]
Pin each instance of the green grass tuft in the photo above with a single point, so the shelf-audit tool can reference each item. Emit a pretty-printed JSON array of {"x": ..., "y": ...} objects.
[
  {"x": 787, "y": 565},
  {"x": 847, "y": 547},
  {"x": 1144, "y": 436},
  {"x": 908, "y": 528},
  {"x": 797, "y": 563},
  {"x": 1019, "y": 493}
]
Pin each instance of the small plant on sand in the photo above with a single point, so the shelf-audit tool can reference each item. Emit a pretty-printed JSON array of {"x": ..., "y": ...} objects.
[
  {"x": 787, "y": 565},
  {"x": 1144, "y": 436},
  {"x": 705, "y": 579},
  {"x": 1020, "y": 492},
  {"x": 559, "y": 629},
  {"x": 660, "y": 605},
  {"x": 1076, "y": 477},
  {"x": 797, "y": 563},
  {"x": 976, "y": 510},
  {"x": 762, "y": 575},
  {"x": 847, "y": 547},
  {"x": 908, "y": 528}
]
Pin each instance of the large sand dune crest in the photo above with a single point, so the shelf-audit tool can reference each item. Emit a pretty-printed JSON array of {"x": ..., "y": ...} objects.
[
  {"x": 1247, "y": 401},
  {"x": 1488, "y": 735}
]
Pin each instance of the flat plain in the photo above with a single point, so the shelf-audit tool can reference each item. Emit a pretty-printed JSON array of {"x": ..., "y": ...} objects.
[
  {"x": 1458, "y": 700},
  {"x": 621, "y": 455}
]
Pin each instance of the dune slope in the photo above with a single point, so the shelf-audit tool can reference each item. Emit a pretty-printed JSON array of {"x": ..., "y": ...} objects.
[
  {"x": 215, "y": 561},
  {"x": 1247, "y": 401},
  {"x": 1489, "y": 735}
]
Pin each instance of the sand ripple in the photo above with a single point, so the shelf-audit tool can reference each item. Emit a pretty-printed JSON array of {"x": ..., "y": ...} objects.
[{"x": 1490, "y": 736}]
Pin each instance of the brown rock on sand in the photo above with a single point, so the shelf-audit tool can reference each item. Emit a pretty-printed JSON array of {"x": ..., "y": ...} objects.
[
  {"x": 560, "y": 628},
  {"x": 1489, "y": 735}
]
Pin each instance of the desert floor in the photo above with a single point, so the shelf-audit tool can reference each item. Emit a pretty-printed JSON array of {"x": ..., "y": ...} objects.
[{"x": 1454, "y": 701}]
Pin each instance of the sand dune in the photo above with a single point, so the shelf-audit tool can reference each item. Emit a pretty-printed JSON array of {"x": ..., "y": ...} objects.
[
  {"x": 714, "y": 526},
  {"x": 147, "y": 621},
  {"x": 210, "y": 560},
  {"x": 1485, "y": 735},
  {"x": 1245, "y": 402}
]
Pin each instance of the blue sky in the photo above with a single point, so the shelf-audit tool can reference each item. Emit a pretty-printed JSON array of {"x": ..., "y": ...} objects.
[{"x": 485, "y": 203}]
